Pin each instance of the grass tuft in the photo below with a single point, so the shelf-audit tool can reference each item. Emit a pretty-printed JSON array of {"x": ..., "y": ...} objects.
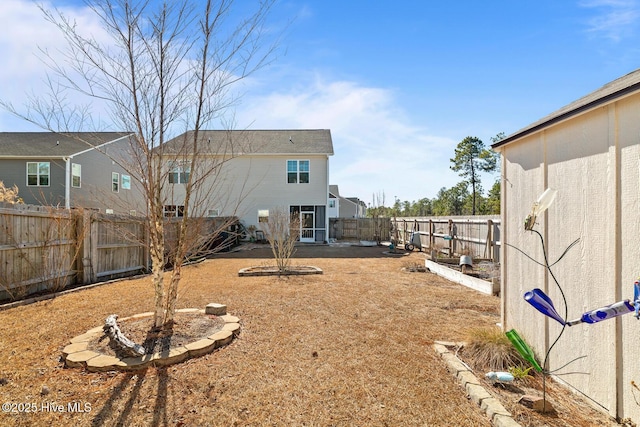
[{"x": 490, "y": 349}]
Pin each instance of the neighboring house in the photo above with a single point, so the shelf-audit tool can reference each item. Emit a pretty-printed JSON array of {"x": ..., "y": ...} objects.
[
  {"x": 345, "y": 207},
  {"x": 69, "y": 170},
  {"x": 333, "y": 209},
  {"x": 251, "y": 173},
  {"x": 589, "y": 151},
  {"x": 352, "y": 207}
]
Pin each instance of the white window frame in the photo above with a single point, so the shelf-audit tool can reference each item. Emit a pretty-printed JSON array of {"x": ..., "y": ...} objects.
[
  {"x": 179, "y": 173},
  {"x": 212, "y": 213},
  {"x": 126, "y": 182},
  {"x": 298, "y": 171},
  {"x": 76, "y": 171},
  {"x": 38, "y": 175},
  {"x": 115, "y": 182},
  {"x": 173, "y": 211}
]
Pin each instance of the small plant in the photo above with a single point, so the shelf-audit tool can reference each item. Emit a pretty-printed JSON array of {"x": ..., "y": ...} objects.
[
  {"x": 520, "y": 372},
  {"x": 413, "y": 267},
  {"x": 283, "y": 230},
  {"x": 489, "y": 349}
]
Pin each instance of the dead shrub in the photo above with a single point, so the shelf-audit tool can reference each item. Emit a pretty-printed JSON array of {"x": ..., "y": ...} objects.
[{"x": 489, "y": 349}]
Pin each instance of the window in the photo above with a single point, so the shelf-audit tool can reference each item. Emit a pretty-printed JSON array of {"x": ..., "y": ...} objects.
[
  {"x": 115, "y": 182},
  {"x": 172, "y": 211},
  {"x": 126, "y": 182},
  {"x": 213, "y": 212},
  {"x": 38, "y": 174},
  {"x": 263, "y": 215},
  {"x": 332, "y": 203},
  {"x": 76, "y": 175},
  {"x": 298, "y": 171},
  {"x": 179, "y": 174}
]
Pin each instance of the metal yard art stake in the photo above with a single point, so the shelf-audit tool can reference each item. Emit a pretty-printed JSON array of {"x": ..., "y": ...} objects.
[{"x": 541, "y": 301}]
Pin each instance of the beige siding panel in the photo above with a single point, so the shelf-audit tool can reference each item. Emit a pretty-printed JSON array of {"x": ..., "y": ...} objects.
[
  {"x": 629, "y": 137},
  {"x": 248, "y": 183},
  {"x": 524, "y": 181},
  {"x": 581, "y": 163}
]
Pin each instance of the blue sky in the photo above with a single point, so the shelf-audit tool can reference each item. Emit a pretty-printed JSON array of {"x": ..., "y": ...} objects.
[{"x": 398, "y": 83}]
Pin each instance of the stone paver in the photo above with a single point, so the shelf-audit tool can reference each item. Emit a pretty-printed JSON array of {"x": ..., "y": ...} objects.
[
  {"x": 79, "y": 359},
  {"x": 232, "y": 327},
  {"x": 174, "y": 355},
  {"x": 221, "y": 338},
  {"x": 216, "y": 309},
  {"x": 201, "y": 347},
  {"x": 76, "y": 354},
  {"x": 75, "y": 348},
  {"x": 103, "y": 363},
  {"x": 86, "y": 337},
  {"x": 229, "y": 319},
  {"x": 496, "y": 412}
]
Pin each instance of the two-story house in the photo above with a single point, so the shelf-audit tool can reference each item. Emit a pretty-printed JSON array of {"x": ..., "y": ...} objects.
[
  {"x": 70, "y": 170},
  {"x": 251, "y": 173}
]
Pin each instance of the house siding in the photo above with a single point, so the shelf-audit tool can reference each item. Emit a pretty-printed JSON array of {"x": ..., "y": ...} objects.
[
  {"x": 14, "y": 172},
  {"x": 592, "y": 160},
  {"x": 248, "y": 183},
  {"x": 95, "y": 190}
]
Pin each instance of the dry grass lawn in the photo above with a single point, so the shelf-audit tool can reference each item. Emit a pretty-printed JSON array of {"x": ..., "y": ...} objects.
[{"x": 350, "y": 347}]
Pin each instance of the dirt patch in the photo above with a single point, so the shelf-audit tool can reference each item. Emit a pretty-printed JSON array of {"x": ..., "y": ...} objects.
[{"x": 187, "y": 328}]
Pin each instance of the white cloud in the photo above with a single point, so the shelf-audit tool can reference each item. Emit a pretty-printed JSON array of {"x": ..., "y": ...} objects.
[
  {"x": 615, "y": 19},
  {"x": 24, "y": 37},
  {"x": 376, "y": 147}
]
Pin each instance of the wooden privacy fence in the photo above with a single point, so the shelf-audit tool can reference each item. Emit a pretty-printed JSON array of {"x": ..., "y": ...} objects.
[
  {"x": 478, "y": 236},
  {"x": 37, "y": 251},
  {"x": 370, "y": 229},
  {"x": 48, "y": 249},
  {"x": 43, "y": 248}
]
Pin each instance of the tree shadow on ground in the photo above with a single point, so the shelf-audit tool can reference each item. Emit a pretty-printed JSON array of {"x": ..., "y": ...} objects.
[
  {"x": 160, "y": 408},
  {"x": 103, "y": 416}
]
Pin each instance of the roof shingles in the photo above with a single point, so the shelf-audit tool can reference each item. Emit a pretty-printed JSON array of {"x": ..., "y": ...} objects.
[{"x": 50, "y": 144}]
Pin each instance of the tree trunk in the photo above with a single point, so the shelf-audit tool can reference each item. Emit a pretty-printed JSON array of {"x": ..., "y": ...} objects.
[
  {"x": 157, "y": 269},
  {"x": 172, "y": 295}
]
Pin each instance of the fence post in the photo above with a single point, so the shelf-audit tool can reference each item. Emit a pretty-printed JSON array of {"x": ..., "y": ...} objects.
[
  {"x": 451, "y": 238},
  {"x": 432, "y": 238},
  {"x": 94, "y": 236},
  {"x": 489, "y": 246},
  {"x": 84, "y": 262}
]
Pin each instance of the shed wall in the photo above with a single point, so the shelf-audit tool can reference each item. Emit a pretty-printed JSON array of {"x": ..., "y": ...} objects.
[{"x": 593, "y": 160}]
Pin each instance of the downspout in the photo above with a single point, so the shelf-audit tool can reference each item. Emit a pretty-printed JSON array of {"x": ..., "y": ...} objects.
[{"x": 67, "y": 183}]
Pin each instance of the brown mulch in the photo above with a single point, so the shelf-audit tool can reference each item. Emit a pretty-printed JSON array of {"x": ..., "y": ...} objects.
[{"x": 349, "y": 347}]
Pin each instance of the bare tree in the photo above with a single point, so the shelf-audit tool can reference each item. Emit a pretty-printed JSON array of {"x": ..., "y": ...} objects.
[
  {"x": 378, "y": 211},
  {"x": 283, "y": 231},
  {"x": 160, "y": 69}
]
